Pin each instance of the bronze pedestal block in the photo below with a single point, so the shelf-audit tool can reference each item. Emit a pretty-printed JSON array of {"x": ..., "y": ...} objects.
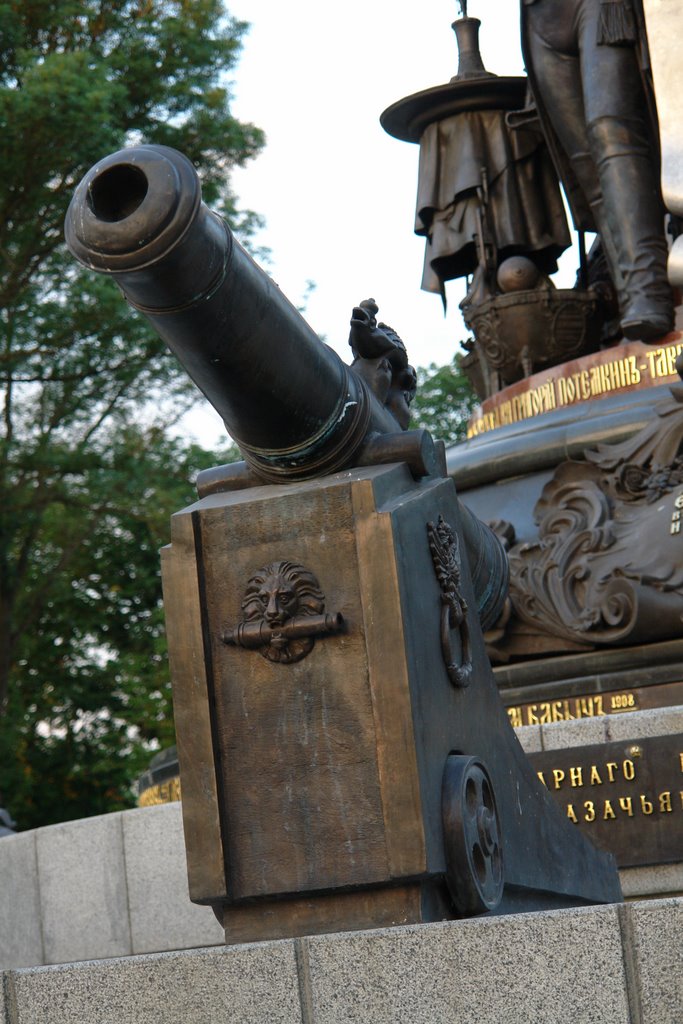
[{"x": 313, "y": 785}]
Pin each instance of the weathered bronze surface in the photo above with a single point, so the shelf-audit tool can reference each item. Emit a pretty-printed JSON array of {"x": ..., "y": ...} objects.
[
  {"x": 334, "y": 912},
  {"x": 489, "y": 206},
  {"x": 488, "y": 198},
  {"x": 652, "y": 664},
  {"x": 473, "y": 165},
  {"x": 330, "y": 768},
  {"x": 381, "y": 360},
  {"x": 316, "y": 788},
  {"x": 193, "y": 713},
  {"x": 628, "y": 797},
  {"x": 521, "y": 332},
  {"x": 585, "y": 60},
  {"x": 474, "y": 857},
  {"x": 445, "y": 549},
  {"x": 508, "y": 469},
  {"x": 224, "y": 319},
  {"x": 191, "y": 271}
]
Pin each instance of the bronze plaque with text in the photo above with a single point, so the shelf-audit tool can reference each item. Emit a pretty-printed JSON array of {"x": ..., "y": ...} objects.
[{"x": 627, "y": 796}]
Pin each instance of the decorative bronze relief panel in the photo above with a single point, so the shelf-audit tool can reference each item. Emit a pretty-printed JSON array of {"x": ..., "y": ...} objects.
[
  {"x": 284, "y": 610},
  {"x": 606, "y": 567}
]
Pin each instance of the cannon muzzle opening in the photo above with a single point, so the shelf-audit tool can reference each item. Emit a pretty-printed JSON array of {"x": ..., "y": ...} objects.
[{"x": 117, "y": 193}]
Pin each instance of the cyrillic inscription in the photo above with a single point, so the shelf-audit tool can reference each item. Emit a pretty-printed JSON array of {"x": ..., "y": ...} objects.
[
  {"x": 636, "y": 369},
  {"x": 595, "y": 705},
  {"x": 628, "y": 797}
]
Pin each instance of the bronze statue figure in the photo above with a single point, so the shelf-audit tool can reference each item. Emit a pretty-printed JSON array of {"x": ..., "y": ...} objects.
[
  {"x": 490, "y": 208},
  {"x": 473, "y": 160},
  {"x": 582, "y": 57}
]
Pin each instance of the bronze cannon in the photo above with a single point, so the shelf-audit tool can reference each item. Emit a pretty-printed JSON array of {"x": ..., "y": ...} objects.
[
  {"x": 288, "y": 400},
  {"x": 345, "y": 758}
]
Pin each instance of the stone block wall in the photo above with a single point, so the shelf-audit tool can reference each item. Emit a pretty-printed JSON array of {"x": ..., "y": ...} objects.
[
  {"x": 107, "y": 886},
  {"x": 604, "y": 965}
]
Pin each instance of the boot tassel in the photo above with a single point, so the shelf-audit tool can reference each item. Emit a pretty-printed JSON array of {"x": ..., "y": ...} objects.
[{"x": 617, "y": 25}]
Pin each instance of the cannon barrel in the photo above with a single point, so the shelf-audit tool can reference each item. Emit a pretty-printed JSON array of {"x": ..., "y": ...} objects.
[
  {"x": 287, "y": 399},
  {"x": 293, "y": 407}
]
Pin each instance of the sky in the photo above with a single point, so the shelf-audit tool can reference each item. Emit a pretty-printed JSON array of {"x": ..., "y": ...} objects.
[{"x": 338, "y": 193}]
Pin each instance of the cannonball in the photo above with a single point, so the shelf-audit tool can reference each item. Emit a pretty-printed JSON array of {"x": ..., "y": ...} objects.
[{"x": 517, "y": 274}]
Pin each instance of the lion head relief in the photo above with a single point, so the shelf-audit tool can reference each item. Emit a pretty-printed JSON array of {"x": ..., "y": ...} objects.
[{"x": 276, "y": 594}]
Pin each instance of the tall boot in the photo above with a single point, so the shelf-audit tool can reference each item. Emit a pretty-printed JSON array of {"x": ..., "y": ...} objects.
[{"x": 633, "y": 217}]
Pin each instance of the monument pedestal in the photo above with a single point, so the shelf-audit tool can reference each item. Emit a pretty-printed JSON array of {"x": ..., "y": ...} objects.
[
  {"x": 589, "y": 496},
  {"x": 342, "y": 745},
  {"x": 583, "y": 479}
]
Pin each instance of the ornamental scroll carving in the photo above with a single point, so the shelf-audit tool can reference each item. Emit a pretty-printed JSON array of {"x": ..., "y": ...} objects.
[
  {"x": 607, "y": 567},
  {"x": 284, "y": 610}
]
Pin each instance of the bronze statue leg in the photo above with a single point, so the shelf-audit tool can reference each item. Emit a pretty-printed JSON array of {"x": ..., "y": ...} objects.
[
  {"x": 621, "y": 146},
  {"x": 594, "y": 99},
  {"x": 559, "y": 83},
  {"x": 554, "y": 57}
]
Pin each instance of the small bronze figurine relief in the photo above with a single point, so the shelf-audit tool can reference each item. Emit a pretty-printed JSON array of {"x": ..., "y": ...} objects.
[
  {"x": 381, "y": 360},
  {"x": 283, "y": 610},
  {"x": 445, "y": 549}
]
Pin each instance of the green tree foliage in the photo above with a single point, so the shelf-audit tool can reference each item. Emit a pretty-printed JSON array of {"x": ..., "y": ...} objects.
[
  {"x": 88, "y": 471},
  {"x": 89, "y": 687},
  {"x": 444, "y": 402}
]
